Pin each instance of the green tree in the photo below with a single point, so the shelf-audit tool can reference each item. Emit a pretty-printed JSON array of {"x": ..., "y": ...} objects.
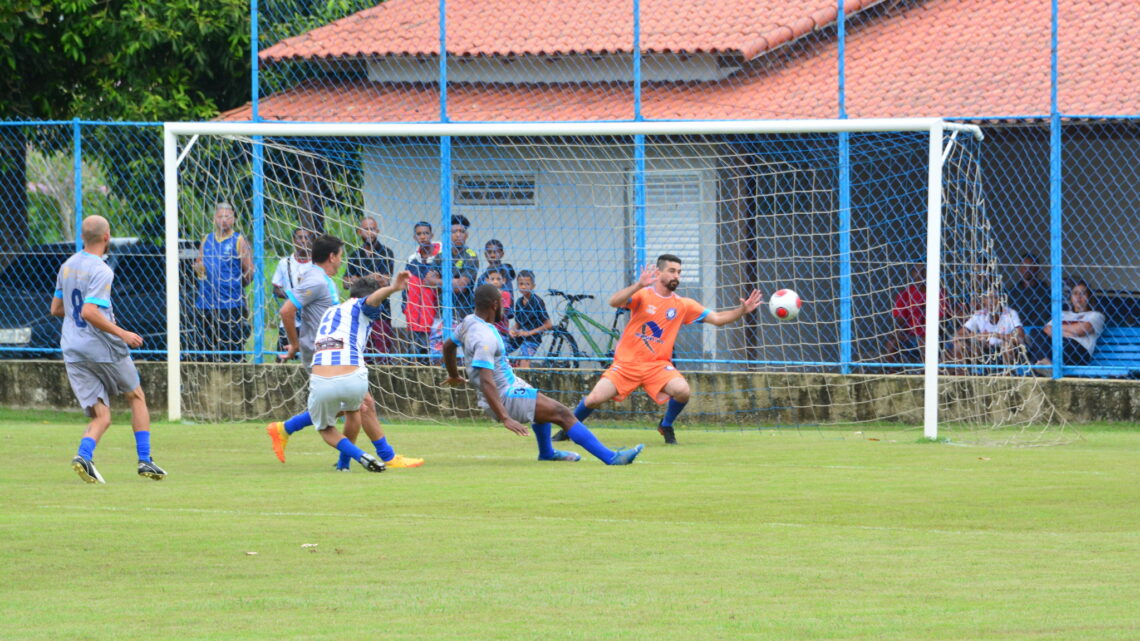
[{"x": 112, "y": 60}]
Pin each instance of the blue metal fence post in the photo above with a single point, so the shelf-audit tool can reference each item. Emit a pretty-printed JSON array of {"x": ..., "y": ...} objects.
[
  {"x": 845, "y": 317},
  {"x": 445, "y": 251},
  {"x": 443, "y": 61},
  {"x": 258, "y": 196},
  {"x": 637, "y": 60},
  {"x": 77, "y": 180},
  {"x": 1055, "y": 215},
  {"x": 639, "y": 242}
]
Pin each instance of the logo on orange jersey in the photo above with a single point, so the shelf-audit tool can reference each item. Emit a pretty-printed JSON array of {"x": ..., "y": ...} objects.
[
  {"x": 671, "y": 313},
  {"x": 650, "y": 333}
]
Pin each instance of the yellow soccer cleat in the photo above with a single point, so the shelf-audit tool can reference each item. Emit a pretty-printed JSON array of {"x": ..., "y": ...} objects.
[
  {"x": 400, "y": 460},
  {"x": 280, "y": 439}
]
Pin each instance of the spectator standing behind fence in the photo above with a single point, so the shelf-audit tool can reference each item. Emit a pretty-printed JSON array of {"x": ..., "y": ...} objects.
[
  {"x": 374, "y": 259},
  {"x": 1081, "y": 327},
  {"x": 531, "y": 320},
  {"x": 909, "y": 314},
  {"x": 421, "y": 302},
  {"x": 464, "y": 270},
  {"x": 288, "y": 274},
  {"x": 224, "y": 268},
  {"x": 495, "y": 277},
  {"x": 493, "y": 252},
  {"x": 1029, "y": 296},
  {"x": 993, "y": 330}
]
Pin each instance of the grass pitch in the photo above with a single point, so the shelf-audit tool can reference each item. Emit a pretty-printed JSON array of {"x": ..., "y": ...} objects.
[{"x": 731, "y": 535}]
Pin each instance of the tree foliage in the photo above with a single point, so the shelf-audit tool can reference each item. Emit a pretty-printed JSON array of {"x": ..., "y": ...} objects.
[{"x": 123, "y": 59}]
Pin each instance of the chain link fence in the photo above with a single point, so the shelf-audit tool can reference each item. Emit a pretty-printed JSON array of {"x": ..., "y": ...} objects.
[{"x": 1058, "y": 164}]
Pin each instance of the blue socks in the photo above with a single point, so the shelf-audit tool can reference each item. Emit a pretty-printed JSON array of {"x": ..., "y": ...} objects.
[
  {"x": 582, "y": 412},
  {"x": 383, "y": 450},
  {"x": 344, "y": 462},
  {"x": 298, "y": 422},
  {"x": 348, "y": 449},
  {"x": 582, "y": 435},
  {"x": 671, "y": 411},
  {"x": 542, "y": 435},
  {"x": 86, "y": 448},
  {"x": 142, "y": 444}
]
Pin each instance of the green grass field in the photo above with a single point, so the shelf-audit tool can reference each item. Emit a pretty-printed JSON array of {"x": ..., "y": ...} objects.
[{"x": 731, "y": 535}]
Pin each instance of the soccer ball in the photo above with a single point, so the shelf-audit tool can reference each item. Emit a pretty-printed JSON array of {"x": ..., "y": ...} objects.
[{"x": 785, "y": 305}]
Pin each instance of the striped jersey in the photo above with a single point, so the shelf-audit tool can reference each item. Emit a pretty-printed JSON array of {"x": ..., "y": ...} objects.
[{"x": 342, "y": 333}]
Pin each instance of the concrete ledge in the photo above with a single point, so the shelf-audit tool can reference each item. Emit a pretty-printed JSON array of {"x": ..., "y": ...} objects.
[{"x": 226, "y": 392}]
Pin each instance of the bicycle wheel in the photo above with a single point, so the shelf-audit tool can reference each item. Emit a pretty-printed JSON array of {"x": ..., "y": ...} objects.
[{"x": 562, "y": 347}]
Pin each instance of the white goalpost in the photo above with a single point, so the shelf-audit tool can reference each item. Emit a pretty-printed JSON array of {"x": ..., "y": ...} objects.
[{"x": 836, "y": 209}]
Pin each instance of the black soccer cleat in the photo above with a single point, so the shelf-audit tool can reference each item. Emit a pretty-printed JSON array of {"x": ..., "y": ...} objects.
[
  {"x": 560, "y": 435},
  {"x": 85, "y": 468},
  {"x": 150, "y": 470},
  {"x": 371, "y": 463},
  {"x": 667, "y": 432}
]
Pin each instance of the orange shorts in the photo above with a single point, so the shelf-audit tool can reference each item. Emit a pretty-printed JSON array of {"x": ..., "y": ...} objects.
[{"x": 651, "y": 375}]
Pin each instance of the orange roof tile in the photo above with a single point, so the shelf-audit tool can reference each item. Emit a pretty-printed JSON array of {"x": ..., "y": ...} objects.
[
  {"x": 543, "y": 27},
  {"x": 951, "y": 58}
]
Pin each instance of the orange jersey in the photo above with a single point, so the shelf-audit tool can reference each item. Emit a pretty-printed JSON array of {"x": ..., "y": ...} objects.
[{"x": 654, "y": 321}]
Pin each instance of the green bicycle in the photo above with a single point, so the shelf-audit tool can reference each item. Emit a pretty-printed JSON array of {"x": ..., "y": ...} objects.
[{"x": 563, "y": 351}]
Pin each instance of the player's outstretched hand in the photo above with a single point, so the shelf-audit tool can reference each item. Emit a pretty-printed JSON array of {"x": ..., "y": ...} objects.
[
  {"x": 454, "y": 381},
  {"x": 401, "y": 282},
  {"x": 752, "y": 302},
  {"x": 649, "y": 275},
  {"x": 290, "y": 352},
  {"x": 515, "y": 426},
  {"x": 132, "y": 339}
]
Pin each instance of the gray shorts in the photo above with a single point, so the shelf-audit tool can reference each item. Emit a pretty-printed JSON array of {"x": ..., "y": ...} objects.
[
  {"x": 519, "y": 403},
  {"x": 94, "y": 382},
  {"x": 330, "y": 395},
  {"x": 307, "y": 357}
]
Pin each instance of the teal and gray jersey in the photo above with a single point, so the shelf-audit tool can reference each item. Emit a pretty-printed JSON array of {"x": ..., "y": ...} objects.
[
  {"x": 483, "y": 348},
  {"x": 85, "y": 278},
  {"x": 313, "y": 295}
]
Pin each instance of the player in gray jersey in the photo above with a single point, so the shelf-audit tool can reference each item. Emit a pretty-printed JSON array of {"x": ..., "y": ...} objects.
[
  {"x": 506, "y": 397},
  {"x": 313, "y": 295},
  {"x": 96, "y": 351}
]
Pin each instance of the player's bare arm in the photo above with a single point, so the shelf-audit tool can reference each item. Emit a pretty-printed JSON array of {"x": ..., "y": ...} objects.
[
  {"x": 90, "y": 313},
  {"x": 747, "y": 306},
  {"x": 399, "y": 285},
  {"x": 491, "y": 393},
  {"x": 289, "y": 320},
  {"x": 57, "y": 307},
  {"x": 649, "y": 276},
  {"x": 449, "y": 362},
  {"x": 246, "y": 262}
]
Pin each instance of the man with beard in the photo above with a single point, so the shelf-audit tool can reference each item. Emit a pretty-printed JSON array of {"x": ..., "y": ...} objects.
[
  {"x": 644, "y": 354},
  {"x": 509, "y": 399}
]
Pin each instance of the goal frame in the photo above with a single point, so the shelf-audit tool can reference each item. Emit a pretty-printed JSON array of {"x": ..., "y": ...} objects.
[{"x": 936, "y": 127}]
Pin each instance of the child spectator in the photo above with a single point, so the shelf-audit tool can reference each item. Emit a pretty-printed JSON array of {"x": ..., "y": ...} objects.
[
  {"x": 495, "y": 277},
  {"x": 494, "y": 252},
  {"x": 531, "y": 320}
]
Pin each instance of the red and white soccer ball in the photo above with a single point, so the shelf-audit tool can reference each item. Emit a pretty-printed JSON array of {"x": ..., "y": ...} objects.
[{"x": 785, "y": 305}]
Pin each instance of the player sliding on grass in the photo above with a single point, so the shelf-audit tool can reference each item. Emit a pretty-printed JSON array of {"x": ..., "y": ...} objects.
[
  {"x": 509, "y": 399},
  {"x": 644, "y": 354},
  {"x": 339, "y": 379},
  {"x": 314, "y": 294},
  {"x": 96, "y": 351}
]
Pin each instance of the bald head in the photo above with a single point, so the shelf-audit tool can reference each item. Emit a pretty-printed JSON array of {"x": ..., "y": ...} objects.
[{"x": 95, "y": 230}]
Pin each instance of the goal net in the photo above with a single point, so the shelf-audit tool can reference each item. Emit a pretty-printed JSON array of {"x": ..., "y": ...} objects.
[{"x": 571, "y": 213}]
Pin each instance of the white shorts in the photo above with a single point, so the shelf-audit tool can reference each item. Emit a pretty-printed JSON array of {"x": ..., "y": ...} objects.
[
  {"x": 519, "y": 403},
  {"x": 330, "y": 395},
  {"x": 94, "y": 382}
]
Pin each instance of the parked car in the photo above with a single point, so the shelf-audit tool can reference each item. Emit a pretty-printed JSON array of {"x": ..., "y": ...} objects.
[{"x": 28, "y": 330}]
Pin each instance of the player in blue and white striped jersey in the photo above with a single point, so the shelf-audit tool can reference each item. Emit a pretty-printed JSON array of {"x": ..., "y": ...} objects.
[
  {"x": 339, "y": 380},
  {"x": 509, "y": 399}
]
